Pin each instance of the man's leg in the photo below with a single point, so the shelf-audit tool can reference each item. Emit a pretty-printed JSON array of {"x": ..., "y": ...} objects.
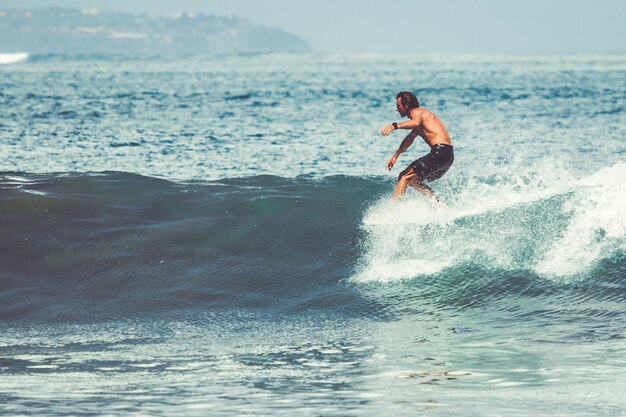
[
  {"x": 409, "y": 177},
  {"x": 428, "y": 192},
  {"x": 419, "y": 185},
  {"x": 403, "y": 182}
]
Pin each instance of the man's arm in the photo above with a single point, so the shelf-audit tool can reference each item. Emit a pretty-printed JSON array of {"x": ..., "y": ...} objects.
[
  {"x": 414, "y": 122},
  {"x": 408, "y": 141}
]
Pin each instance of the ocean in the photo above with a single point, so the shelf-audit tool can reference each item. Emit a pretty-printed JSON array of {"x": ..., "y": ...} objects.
[{"x": 214, "y": 236}]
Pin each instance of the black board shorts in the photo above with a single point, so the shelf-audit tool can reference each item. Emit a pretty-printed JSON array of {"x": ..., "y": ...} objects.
[{"x": 434, "y": 164}]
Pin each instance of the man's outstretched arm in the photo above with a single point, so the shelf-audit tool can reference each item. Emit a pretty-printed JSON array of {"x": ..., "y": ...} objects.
[
  {"x": 413, "y": 123},
  {"x": 406, "y": 142}
]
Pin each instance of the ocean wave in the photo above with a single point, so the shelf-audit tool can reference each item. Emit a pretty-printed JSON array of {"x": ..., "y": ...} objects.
[
  {"x": 123, "y": 244},
  {"x": 553, "y": 225},
  {"x": 112, "y": 244}
]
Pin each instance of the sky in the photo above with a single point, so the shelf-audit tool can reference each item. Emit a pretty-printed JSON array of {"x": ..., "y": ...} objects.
[{"x": 410, "y": 26}]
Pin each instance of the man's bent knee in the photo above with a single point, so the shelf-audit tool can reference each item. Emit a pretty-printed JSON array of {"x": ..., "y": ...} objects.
[{"x": 409, "y": 175}]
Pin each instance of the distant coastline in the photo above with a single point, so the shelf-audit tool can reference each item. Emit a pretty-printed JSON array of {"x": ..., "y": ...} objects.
[{"x": 89, "y": 31}]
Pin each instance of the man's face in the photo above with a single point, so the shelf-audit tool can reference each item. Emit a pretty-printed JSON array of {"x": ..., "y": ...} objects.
[{"x": 401, "y": 108}]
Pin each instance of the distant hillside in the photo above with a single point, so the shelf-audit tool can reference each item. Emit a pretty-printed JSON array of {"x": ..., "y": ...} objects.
[{"x": 90, "y": 31}]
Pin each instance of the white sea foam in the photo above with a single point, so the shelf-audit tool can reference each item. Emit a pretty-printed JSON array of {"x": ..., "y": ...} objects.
[
  {"x": 556, "y": 228},
  {"x": 597, "y": 226},
  {"x": 12, "y": 58}
]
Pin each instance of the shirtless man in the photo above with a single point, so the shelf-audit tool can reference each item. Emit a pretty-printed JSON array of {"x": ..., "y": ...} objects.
[{"x": 426, "y": 125}]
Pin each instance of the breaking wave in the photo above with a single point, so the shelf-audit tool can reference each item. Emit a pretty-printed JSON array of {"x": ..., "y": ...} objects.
[{"x": 108, "y": 245}]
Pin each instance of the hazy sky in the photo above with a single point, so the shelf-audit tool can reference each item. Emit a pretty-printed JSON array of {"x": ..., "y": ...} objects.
[{"x": 466, "y": 26}]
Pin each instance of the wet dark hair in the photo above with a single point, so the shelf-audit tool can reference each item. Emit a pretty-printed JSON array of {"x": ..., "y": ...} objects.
[{"x": 408, "y": 99}]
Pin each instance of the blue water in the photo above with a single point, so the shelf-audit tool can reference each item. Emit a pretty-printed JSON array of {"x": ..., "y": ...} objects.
[{"x": 213, "y": 236}]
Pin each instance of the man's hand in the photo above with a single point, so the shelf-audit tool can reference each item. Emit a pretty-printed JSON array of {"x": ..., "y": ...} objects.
[
  {"x": 386, "y": 130},
  {"x": 391, "y": 162}
]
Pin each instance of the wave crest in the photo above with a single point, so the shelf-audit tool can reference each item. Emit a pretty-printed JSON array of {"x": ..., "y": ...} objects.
[{"x": 561, "y": 228}]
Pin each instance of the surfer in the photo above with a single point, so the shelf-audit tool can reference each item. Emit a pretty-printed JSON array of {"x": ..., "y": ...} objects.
[{"x": 426, "y": 125}]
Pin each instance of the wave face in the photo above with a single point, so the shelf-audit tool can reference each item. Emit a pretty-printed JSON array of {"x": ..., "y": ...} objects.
[
  {"x": 114, "y": 244},
  {"x": 83, "y": 247}
]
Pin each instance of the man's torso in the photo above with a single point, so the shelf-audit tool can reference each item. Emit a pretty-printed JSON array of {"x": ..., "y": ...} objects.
[{"x": 431, "y": 129}]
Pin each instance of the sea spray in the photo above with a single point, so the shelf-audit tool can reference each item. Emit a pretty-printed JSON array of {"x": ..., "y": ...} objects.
[
  {"x": 553, "y": 226},
  {"x": 596, "y": 227}
]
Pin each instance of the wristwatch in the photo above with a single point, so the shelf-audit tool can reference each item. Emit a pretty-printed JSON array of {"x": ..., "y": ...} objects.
[{"x": 395, "y": 125}]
